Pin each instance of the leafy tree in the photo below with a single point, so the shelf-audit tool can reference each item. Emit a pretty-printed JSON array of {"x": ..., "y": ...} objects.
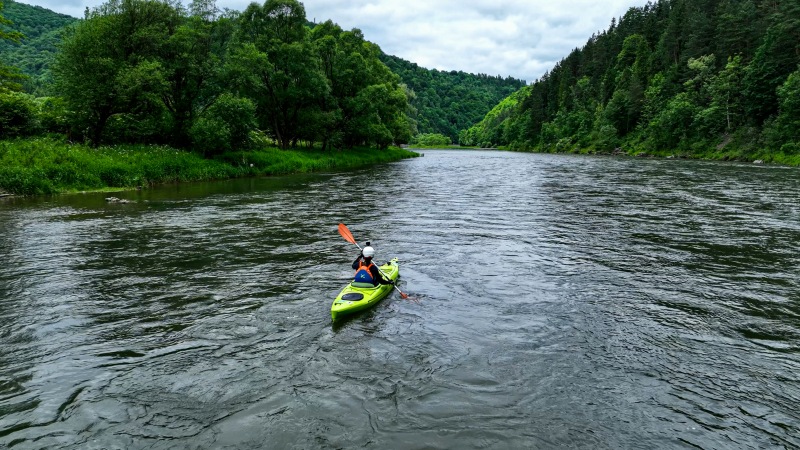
[
  {"x": 17, "y": 114},
  {"x": 368, "y": 101},
  {"x": 225, "y": 125},
  {"x": 109, "y": 63},
  {"x": 192, "y": 62},
  {"x": 784, "y": 133},
  {"x": 774, "y": 60},
  {"x": 276, "y": 67},
  {"x": 727, "y": 95}
]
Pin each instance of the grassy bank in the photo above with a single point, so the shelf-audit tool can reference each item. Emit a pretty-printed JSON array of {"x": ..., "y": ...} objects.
[
  {"x": 740, "y": 153},
  {"x": 47, "y": 166}
]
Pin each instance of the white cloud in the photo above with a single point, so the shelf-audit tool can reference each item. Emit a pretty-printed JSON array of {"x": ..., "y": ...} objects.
[{"x": 520, "y": 38}]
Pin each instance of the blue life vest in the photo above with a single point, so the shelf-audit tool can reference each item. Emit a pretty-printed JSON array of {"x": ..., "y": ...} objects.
[{"x": 363, "y": 275}]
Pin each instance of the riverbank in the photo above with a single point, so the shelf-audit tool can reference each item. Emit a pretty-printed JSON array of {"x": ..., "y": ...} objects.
[
  {"x": 443, "y": 147},
  {"x": 759, "y": 157},
  {"x": 39, "y": 166}
]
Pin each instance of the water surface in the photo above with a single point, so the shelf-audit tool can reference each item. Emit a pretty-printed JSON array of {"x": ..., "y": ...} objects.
[{"x": 564, "y": 302}]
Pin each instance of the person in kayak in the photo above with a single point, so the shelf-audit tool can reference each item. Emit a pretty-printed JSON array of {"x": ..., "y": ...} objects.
[{"x": 366, "y": 271}]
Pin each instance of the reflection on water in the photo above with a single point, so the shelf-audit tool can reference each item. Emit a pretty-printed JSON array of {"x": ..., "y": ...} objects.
[{"x": 565, "y": 302}]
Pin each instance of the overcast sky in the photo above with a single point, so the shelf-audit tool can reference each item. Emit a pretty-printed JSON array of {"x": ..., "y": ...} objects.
[{"x": 520, "y": 38}]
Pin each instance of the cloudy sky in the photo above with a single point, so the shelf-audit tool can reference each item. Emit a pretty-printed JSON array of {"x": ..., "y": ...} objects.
[{"x": 520, "y": 38}]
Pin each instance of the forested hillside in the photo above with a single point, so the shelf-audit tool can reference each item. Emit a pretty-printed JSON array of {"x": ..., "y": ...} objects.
[
  {"x": 699, "y": 78},
  {"x": 41, "y": 30},
  {"x": 448, "y": 102}
]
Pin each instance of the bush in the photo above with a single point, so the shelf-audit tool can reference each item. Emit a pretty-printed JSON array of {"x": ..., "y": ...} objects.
[
  {"x": 431, "y": 140},
  {"x": 17, "y": 115},
  {"x": 792, "y": 148},
  {"x": 53, "y": 115},
  {"x": 225, "y": 126}
]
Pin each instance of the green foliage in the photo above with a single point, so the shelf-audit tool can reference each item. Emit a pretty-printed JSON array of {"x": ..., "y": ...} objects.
[
  {"x": 9, "y": 76},
  {"x": 225, "y": 126},
  {"x": 38, "y": 33},
  {"x": 148, "y": 71},
  {"x": 17, "y": 114},
  {"x": 366, "y": 104},
  {"x": 449, "y": 102},
  {"x": 708, "y": 78},
  {"x": 492, "y": 127},
  {"x": 431, "y": 140},
  {"x": 108, "y": 67},
  {"x": 52, "y": 115},
  {"x": 46, "y": 166},
  {"x": 784, "y": 132},
  {"x": 274, "y": 65}
]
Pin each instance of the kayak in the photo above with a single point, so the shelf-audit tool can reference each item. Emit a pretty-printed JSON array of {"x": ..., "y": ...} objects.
[{"x": 357, "y": 297}]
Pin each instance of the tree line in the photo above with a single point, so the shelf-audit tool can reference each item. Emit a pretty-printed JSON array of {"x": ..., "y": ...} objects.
[
  {"x": 154, "y": 71},
  {"x": 440, "y": 102},
  {"x": 680, "y": 76}
]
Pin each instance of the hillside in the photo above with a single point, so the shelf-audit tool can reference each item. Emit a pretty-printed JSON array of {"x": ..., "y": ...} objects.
[
  {"x": 710, "y": 78},
  {"x": 445, "y": 102},
  {"x": 448, "y": 102},
  {"x": 33, "y": 54}
]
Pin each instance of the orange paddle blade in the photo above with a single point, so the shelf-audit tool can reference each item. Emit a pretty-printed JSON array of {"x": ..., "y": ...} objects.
[{"x": 346, "y": 234}]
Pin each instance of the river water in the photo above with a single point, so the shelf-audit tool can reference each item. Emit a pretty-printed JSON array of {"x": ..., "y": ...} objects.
[{"x": 561, "y": 302}]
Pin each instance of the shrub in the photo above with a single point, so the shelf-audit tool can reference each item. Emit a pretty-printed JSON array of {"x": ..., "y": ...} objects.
[
  {"x": 17, "y": 114},
  {"x": 225, "y": 126},
  {"x": 431, "y": 140}
]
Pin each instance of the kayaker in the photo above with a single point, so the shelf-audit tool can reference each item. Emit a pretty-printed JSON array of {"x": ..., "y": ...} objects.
[{"x": 366, "y": 271}]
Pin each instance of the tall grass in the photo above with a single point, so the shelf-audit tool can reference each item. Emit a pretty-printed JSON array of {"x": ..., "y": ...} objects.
[{"x": 46, "y": 166}]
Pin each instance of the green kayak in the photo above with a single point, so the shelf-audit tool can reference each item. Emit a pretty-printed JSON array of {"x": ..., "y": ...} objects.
[{"x": 354, "y": 297}]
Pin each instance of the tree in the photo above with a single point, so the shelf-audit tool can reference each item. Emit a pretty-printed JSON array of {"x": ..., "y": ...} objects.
[
  {"x": 275, "y": 66},
  {"x": 784, "y": 133},
  {"x": 109, "y": 64},
  {"x": 370, "y": 104},
  {"x": 774, "y": 60},
  {"x": 191, "y": 62},
  {"x": 727, "y": 95}
]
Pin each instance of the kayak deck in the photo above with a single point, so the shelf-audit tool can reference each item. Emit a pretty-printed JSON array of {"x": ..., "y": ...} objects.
[{"x": 353, "y": 299}]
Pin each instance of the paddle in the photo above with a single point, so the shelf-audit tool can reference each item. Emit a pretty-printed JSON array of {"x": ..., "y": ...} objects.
[{"x": 348, "y": 236}]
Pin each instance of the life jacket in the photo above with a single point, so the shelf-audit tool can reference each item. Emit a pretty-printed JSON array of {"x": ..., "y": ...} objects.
[{"x": 363, "y": 275}]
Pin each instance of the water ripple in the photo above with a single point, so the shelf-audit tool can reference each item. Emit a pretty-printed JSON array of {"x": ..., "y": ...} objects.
[{"x": 563, "y": 302}]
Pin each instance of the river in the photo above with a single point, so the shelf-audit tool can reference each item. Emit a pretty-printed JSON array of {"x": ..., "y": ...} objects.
[{"x": 561, "y": 302}]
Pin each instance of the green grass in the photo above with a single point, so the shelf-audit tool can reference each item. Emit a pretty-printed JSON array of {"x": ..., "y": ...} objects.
[{"x": 41, "y": 165}]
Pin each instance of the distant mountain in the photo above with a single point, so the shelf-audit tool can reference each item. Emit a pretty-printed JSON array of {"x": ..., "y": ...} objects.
[{"x": 33, "y": 55}]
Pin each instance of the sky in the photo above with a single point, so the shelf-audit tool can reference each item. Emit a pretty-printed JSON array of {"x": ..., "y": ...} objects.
[{"x": 518, "y": 38}]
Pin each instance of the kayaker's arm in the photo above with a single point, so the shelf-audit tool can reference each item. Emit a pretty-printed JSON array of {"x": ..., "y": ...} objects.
[
  {"x": 377, "y": 275},
  {"x": 355, "y": 263}
]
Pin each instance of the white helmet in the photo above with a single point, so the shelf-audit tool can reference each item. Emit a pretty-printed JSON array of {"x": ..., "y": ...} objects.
[{"x": 368, "y": 252}]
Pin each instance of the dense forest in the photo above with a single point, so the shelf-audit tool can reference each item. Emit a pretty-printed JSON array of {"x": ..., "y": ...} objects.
[
  {"x": 700, "y": 78},
  {"x": 440, "y": 102}
]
